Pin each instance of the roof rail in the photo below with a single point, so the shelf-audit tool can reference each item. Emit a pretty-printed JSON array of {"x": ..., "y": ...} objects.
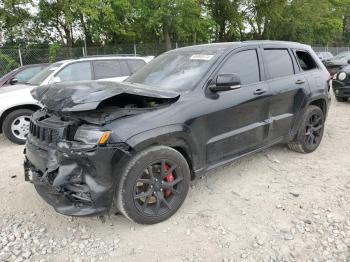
[{"x": 111, "y": 55}]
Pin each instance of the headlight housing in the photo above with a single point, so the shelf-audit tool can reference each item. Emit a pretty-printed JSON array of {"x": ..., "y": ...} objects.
[
  {"x": 341, "y": 76},
  {"x": 92, "y": 136}
]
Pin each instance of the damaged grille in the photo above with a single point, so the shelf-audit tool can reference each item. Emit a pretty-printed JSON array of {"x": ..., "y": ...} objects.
[{"x": 46, "y": 134}]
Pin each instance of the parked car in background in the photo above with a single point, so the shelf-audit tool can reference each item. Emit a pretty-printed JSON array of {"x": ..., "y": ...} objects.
[
  {"x": 341, "y": 84},
  {"x": 323, "y": 56},
  {"x": 336, "y": 63},
  {"x": 21, "y": 75},
  {"x": 17, "y": 104},
  {"x": 136, "y": 144}
]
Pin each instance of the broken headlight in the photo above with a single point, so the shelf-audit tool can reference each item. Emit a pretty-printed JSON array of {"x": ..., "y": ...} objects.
[{"x": 92, "y": 137}]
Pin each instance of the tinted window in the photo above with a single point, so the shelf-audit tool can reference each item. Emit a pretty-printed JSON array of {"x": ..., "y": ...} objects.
[
  {"x": 305, "y": 60},
  {"x": 27, "y": 74},
  {"x": 245, "y": 65},
  {"x": 278, "y": 62},
  {"x": 76, "y": 72},
  {"x": 110, "y": 68},
  {"x": 135, "y": 64}
]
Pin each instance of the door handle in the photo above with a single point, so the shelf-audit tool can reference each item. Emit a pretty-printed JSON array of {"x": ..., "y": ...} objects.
[
  {"x": 300, "y": 81},
  {"x": 259, "y": 91}
]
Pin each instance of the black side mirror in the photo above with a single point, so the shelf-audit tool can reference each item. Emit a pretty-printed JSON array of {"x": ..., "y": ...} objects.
[
  {"x": 349, "y": 61},
  {"x": 226, "y": 82},
  {"x": 13, "y": 81}
]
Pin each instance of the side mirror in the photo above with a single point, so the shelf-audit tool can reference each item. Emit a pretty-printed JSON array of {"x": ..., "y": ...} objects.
[
  {"x": 349, "y": 61},
  {"x": 226, "y": 82},
  {"x": 56, "y": 79},
  {"x": 13, "y": 81}
]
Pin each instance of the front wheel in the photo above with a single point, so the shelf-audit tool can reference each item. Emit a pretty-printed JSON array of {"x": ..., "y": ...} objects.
[
  {"x": 16, "y": 125},
  {"x": 341, "y": 99},
  {"x": 310, "y": 132},
  {"x": 153, "y": 185}
]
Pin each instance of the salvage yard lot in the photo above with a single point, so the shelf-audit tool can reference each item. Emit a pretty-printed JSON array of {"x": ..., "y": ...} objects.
[{"x": 275, "y": 204}]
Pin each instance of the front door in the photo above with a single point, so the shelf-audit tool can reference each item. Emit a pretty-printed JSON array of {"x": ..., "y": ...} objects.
[{"x": 239, "y": 122}]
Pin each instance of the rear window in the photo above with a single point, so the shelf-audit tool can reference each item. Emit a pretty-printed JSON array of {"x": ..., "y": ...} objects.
[
  {"x": 110, "y": 68},
  {"x": 305, "y": 60},
  {"x": 135, "y": 64},
  {"x": 278, "y": 62}
]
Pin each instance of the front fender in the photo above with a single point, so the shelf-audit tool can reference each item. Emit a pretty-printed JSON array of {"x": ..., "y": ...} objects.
[{"x": 176, "y": 136}]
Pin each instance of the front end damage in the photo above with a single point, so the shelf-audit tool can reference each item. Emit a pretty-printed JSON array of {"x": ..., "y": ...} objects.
[
  {"x": 75, "y": 178},
  {"x": 64, "y": 157}
]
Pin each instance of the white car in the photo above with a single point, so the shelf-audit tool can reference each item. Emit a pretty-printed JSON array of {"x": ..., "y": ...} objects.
[{"x": 17, "y": 104}]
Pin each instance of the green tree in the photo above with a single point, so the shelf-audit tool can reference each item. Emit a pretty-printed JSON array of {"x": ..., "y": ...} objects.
[
  {"x": 169, "y": 20},
  {"x": 228, "y": 21},
  {"x": 14, "y": 18}
]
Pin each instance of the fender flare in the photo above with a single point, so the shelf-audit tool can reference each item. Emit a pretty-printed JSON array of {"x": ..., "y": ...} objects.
[{"x": 177, "y": 136}]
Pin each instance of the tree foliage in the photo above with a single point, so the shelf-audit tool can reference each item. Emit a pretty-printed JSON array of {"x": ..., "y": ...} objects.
[{"x": 109, "y": 22}]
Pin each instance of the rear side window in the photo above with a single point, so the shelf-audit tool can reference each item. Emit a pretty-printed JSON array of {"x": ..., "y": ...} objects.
[
  {"x": 76, "y": 72},
  {"x": 278, "y": 62},
  {"x": 305, "y": 60},
  {"x": 110, "y": 68},
  {"x": 135, "y": 64},
  {"x": 245, "y": 65}
]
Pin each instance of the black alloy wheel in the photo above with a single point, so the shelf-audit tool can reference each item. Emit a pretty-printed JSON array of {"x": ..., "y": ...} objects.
[
  {"x": 153, "y": 185},
  {"x": 314, "y": 129},
  {"x": 158, "y": 189},
  {"x": 310, "y": 132}
]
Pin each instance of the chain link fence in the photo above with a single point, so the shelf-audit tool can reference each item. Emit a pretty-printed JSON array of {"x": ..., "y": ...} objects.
[
  {"x": 13, "y": 58},
  {"x": 332, "y": 49}
]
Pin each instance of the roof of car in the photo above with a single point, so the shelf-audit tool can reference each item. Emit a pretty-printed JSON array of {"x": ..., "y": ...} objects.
[
  {"x": 100, "y": 57},
  {"x": 34, "y": 65},
  {"x": 104, "y": 57},
  {"x": 225, "y": 45}
]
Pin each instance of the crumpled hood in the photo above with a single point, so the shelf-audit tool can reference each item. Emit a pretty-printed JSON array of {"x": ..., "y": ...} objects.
[{"x": 87, "y": 95}]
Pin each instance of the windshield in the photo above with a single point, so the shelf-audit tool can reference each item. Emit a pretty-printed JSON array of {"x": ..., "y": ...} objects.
[
  {"x": 43, "y": 74},
  {"x": 176, "y": 70}
]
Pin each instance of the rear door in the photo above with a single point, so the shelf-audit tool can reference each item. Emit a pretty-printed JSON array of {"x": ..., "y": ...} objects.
[
  {"x": 288, "y": 88},
  {"x": 238, "y": 122}
]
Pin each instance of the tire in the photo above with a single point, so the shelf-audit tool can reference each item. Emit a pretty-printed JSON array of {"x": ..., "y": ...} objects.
[
  {"x": 341, "y": 99},
  {"x": 142, "y": 195},
  {"x": 310, "y": 132},
  {"x": 16, "y": 125}
]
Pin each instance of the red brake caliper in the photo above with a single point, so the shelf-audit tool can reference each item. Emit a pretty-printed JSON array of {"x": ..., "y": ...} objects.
[{"x": 168, "y": 178}]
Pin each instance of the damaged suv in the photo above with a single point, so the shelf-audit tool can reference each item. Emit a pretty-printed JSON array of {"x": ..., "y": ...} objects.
[{"x": 136, "y": 145}]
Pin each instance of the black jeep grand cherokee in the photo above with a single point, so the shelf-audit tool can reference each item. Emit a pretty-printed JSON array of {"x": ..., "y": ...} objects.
[{"x": 137, "y": 144}]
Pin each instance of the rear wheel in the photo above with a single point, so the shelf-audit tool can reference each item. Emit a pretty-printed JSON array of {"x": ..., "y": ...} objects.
[
  {"x": 341, "y": 99},
  {"x": 310, "y": 132},
  {"x": 153, "y": 185},
  {"x": 16, "y": 125}
]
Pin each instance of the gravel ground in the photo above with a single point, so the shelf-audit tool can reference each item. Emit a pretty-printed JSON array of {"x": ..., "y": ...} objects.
[{"x": 277, "y": 205}]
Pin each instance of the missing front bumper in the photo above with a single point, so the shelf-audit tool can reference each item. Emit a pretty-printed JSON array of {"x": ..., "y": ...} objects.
[{"x": 76, "y": 183}]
